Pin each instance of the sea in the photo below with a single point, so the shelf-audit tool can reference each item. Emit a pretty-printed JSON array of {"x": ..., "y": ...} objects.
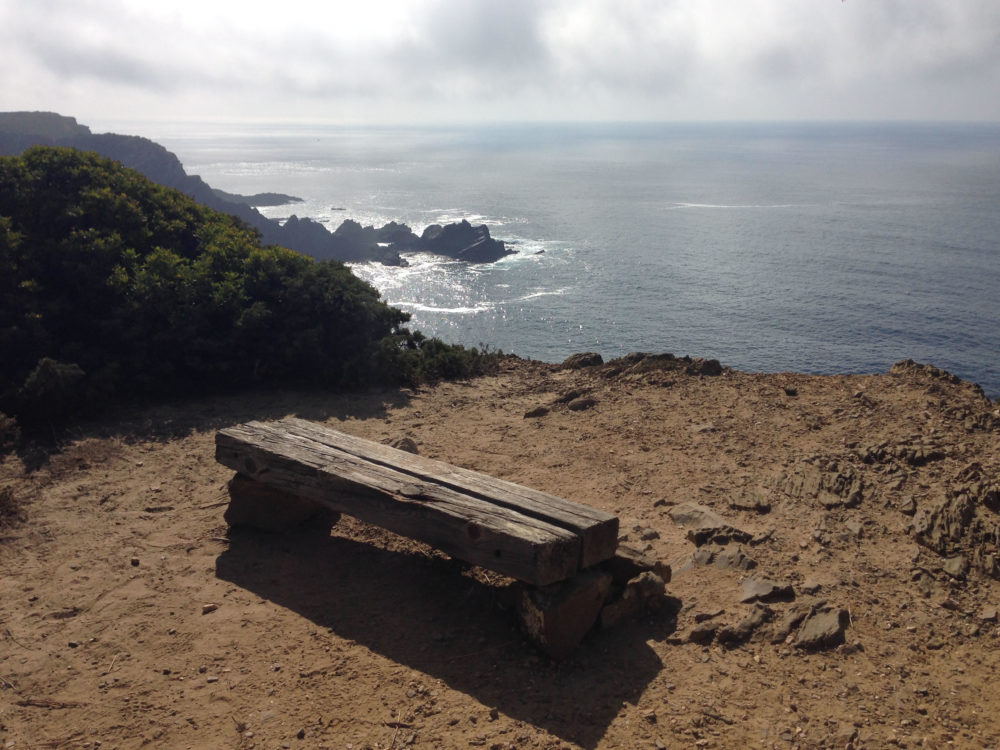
[{"x": 807, "y": 247}]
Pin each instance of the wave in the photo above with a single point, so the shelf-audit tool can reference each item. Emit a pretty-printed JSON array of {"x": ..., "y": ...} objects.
[
  {"x": 681, "y": 205},
  {"x": 548, "y": 293},
  {"x": 420, "y": 307}
]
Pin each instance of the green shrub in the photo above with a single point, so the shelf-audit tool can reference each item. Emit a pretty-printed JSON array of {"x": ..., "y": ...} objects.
[
  {"x": 111, "y": 286},
  {"x": 10, "y": 434}
]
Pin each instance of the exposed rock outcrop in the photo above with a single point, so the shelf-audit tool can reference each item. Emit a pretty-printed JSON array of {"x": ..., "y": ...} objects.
[{"x": 462, "y": 241}]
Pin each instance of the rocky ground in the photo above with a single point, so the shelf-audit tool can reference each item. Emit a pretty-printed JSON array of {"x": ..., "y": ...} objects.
[{"x": 833, "y": 541}]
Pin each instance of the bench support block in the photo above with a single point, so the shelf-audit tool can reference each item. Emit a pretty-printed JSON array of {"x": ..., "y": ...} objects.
[{"x": 557, "y": 617}]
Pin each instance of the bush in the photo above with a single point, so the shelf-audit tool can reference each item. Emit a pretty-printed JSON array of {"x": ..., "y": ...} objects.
[
  {"x": 111, "y": 286},
  {"x": 10, "y": 434}
]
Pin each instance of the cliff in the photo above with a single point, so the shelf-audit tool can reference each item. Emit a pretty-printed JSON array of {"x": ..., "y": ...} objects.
[{"x": 350, "y": 243}]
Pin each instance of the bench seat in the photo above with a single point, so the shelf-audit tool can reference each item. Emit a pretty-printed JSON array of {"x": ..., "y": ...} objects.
[{"x": 519, "y": 532}]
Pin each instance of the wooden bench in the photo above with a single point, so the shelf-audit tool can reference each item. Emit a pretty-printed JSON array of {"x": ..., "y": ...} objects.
[{"x": 565, "y": 551}]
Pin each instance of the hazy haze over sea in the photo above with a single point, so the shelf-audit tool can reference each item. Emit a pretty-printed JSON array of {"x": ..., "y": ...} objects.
[{"x": 826, "y": 248}]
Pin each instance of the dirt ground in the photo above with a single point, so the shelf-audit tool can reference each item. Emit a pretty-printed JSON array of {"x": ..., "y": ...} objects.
[{"x": 132, "y": 617}]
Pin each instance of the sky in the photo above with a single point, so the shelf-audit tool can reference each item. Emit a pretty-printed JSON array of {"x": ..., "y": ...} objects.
[{"x": 426, "y": 61}]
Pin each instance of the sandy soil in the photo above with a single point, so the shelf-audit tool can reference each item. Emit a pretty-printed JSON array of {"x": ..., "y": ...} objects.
[{"x": 361, "y": 639}]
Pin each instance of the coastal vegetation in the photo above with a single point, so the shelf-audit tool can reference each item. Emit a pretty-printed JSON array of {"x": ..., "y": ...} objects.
[{"x": 112, "y": 287}]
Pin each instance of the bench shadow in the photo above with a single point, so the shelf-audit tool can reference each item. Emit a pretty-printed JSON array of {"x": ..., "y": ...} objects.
[{"x": 427, "y": 613}]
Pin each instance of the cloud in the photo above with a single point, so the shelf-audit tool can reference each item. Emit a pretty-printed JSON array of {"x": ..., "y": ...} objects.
[{"x": 519, "y": 59}]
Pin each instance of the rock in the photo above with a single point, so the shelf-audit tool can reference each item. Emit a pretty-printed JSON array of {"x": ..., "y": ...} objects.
[
  {"x": 854, "y": 528},
  {"x": 648, "y": 535},
  {"x": 557, "y": 617},
  {"x": 538, "y": 411},
  {"x": 703, "y": 632},
  {"x": 584, "y": 359},
  {"x": 810, "y": 586},
  {"x": 908, "y": 506},
  {"x": 462, "y": 241},
  {"x": 989, "y": 614},
  {"x": 259, "y": 506},
  {"x": 582, "y": 404},
  {"x": 956, "y": 566},
  {"x": 764, "y": 590},
  {"x": 629, "y": 563},
  {"x": 708, "y": 367},
  {"x": 642, "y": 593},
  {"x": 208, "y": 608},
  {"x": 134, "y": 562},
  {"x": 833, "y": 485},
  {"x": 792, "y": 619},
  {"x": 703, "y": 616},
  {"x": 752, "y": 502},
  {"x": 734, "y": 635},
  {"x": 725, "y": 558},
  {"x": 705, "y": 525},
  {"x": 570, "y": 395},
  {"x": 823, "y": 629}
]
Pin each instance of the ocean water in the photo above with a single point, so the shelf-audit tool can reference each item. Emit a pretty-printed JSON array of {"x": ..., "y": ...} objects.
[{"x": 821, "y": 248}]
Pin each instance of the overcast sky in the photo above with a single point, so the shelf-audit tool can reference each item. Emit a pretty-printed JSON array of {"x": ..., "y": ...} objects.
[{"x": 366, "y": 61}]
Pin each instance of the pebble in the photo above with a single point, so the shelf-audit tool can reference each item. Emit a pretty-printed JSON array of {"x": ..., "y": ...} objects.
[
  {"x": 207, "y": 608},
  {"x": 212, "y": 678},
  {"x": 135, "y": 562}
]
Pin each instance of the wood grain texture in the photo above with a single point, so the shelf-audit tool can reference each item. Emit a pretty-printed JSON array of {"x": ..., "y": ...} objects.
[
  {"x": 520, "y": 532},
  {"x": 597, "y": 530}
]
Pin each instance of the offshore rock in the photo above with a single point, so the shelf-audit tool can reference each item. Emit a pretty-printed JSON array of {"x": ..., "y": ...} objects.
[{"x": 462, "y": 241}]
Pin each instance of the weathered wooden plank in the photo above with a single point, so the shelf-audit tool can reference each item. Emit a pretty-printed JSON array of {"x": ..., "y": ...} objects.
[
  {"x": 467, "y": 527},
  {"x": 597, "y": 529}
]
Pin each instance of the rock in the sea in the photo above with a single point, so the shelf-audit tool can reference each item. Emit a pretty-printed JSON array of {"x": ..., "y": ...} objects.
[{"x": 462, "y": 241}]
